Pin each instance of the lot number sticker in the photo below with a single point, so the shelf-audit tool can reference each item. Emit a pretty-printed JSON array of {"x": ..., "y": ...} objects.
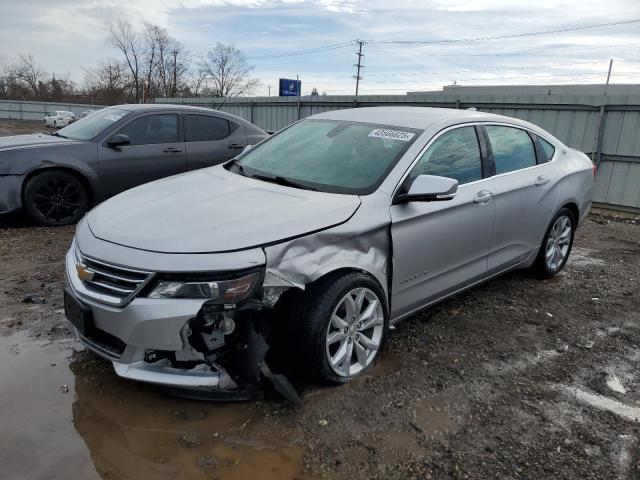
[{"x": 393, "y": 134}]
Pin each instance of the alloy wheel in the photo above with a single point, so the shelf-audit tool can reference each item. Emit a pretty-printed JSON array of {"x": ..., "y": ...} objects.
[
  {"x": 355, "y": 332},
  {"x": 57, "y": 200},
  {"x": 558, "y": 243}
]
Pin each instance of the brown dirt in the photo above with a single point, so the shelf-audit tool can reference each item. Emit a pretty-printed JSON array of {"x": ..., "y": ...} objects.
[{"x": 475, "y": 387}]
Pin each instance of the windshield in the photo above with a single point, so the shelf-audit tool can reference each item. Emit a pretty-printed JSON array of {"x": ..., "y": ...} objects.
[
  {"x": 330, "y": 155},
  {"x": 91, "y": 126}
]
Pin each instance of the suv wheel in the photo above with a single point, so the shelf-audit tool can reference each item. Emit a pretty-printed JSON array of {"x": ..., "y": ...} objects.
[
  {"x": 338, "y": 327},
  {"x": 55, "y": 198},
  {"x": 556, "y": 245}
]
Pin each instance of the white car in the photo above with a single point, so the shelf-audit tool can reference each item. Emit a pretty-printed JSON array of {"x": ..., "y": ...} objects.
[{"x": 59, "y": 118}]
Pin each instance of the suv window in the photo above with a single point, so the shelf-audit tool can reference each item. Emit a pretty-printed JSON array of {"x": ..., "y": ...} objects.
[
  {"x": 200, "y": 128},
  {"x": 512, "y": 148},
  {"x": 152, "y": 129},
  {"x": 455, "y": 154}
]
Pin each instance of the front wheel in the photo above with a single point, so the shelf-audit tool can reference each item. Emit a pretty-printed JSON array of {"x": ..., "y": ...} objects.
[
  {"x": 54, "y": 198},
  {"x": 556, "y": 245},
  {"x": 338, "y": 327}
]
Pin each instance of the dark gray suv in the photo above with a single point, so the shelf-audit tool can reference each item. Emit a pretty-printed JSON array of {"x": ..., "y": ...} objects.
[{"x": 56, "y": 177}]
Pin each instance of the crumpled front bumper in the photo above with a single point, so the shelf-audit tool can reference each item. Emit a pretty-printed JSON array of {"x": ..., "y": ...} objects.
[
  {"x": 124, "y": 335},
  {"x": 10, "y": 188}
]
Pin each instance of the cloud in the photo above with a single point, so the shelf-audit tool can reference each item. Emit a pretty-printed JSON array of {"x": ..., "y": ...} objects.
[{"x": 67, "y": 36}]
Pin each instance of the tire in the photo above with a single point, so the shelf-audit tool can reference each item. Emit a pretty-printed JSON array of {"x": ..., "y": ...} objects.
[
  {"x": 556, "y": 245},
  {"x": 309, "y": 328},
  {"x": 55, "y": 198}
]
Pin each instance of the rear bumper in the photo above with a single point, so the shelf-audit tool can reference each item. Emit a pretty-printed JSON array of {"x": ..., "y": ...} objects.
[{"x": 10, "y": 189}]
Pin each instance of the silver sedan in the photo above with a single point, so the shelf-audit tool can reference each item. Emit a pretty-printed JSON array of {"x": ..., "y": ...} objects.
[{"x": 296, "y": 256}]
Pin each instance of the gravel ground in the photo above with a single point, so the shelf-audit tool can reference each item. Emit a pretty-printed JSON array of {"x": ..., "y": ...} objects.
[{"x": 518, "y": 378}]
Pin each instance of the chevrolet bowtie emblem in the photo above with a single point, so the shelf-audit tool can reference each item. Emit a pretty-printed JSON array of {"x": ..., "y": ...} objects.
[{"x": 83, "y": 273}]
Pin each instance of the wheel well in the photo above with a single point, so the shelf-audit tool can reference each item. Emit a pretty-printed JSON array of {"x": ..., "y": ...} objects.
[
  {"x": 79, "y": 176},
  {"x": 344, "y": 271},
  {"x": 574, "y": 209}
]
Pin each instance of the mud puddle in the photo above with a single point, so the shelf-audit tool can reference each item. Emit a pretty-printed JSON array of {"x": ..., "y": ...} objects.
[
  {"x": 38, "y": 436},
  {"x": 66, "y": 415}
]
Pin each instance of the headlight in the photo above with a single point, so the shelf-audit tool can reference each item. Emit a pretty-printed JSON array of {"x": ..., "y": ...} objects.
[{"x": 223, "y": 291}]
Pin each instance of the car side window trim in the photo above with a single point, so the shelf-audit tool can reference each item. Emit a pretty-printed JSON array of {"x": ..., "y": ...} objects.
[{"x": 486, "y": 155}]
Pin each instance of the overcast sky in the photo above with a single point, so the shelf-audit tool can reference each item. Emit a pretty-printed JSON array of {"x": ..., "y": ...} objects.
[{"x": 68, "y": 36}]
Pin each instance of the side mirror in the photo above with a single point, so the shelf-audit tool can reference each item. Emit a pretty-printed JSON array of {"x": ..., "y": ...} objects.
[
  {"x": 429, "y": 188},
  {"x": 118, "y": 140}
]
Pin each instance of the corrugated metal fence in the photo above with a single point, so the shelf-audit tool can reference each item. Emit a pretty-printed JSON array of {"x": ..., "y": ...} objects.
[
  {"x": 37, "y": 110},
  {"x": 573, "y": 119}
]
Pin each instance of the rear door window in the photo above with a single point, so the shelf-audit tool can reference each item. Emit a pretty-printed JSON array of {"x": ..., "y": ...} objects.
[
  {"x": 512, "y": 148},
  {"x": 201, "y": 128},
  {"x": 455, "y": 154},
  {"x": 152, "y": 129}
]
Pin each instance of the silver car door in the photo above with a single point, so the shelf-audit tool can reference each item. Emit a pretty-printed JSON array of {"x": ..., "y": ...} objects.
[
  {"x": 525, "y": 199},
  {"x": 439, "y": 247}
]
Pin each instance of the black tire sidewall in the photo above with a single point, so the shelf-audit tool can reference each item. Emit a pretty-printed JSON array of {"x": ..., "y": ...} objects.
[{"x": 34, "y": 182}]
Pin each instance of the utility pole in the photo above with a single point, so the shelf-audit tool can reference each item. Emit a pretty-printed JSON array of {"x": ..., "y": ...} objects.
[
  {"x": 358, "y": 77},
  {"x": 597, "y": 151},
  {"x": 269, "y": 90}
]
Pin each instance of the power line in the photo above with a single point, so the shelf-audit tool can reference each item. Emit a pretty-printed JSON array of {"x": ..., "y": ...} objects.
[
  {"x": 503, "y": 37},
  {"x": 530, "y": 51},
  {"x": 303, "y": 52},
  {"x": 498, "y": 69}
]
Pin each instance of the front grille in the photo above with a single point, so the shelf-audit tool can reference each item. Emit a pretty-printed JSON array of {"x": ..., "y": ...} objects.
[{"x": 110, "y": 283}]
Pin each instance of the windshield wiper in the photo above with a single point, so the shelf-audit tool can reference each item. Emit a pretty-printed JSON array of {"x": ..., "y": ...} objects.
[
  {"x": 57, "y": 134},
  {"x": 284, "y": 181},
  {"x": 234, "y": 163}
]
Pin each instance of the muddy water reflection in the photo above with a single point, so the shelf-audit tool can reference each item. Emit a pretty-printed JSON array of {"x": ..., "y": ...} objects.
[
  {"x": 134, "y": 431},
  {"x": 38, "y": 438},
  {"x": 104, "y": 427}
]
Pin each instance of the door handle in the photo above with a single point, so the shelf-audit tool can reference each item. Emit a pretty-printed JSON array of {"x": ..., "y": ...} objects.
[
  {"x": 483, "y": 197},
  {"x": 542, "y": 180},
  {"x": 235, "y": 145},
  {"x": 172, "y": 150}
]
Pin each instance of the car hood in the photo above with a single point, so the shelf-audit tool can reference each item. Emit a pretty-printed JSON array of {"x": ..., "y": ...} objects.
[
  {"x": 29, "y": 141},
  {"x": 213, "y": 210}
]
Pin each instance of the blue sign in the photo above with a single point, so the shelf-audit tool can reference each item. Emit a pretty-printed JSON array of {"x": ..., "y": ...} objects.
[{"x": 290, "y": 88}]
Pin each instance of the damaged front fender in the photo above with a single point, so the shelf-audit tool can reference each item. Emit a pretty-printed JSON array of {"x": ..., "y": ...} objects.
[{"x": 363, "y": 243}]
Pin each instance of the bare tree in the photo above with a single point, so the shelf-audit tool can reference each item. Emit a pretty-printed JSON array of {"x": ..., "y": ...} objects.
[
  {"x": 26, "y": 70},
  {"x": 108, "y": 83},
  {"x": 123, "y": 37},
  {"x": 228, "y": 72}
]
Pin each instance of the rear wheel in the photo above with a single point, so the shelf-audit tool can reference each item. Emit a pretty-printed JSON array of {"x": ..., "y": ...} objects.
[
  {"x": 338, "y": 327},
  {"x": 55, "y": 198},
  {"x": 556, "y": 245}
]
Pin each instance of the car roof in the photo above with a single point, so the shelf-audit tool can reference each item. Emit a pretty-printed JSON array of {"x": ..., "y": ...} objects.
[
  {"x": 249, "y": 127},
  {"x": 137, "y": 107},
  {"x": 416, "y": 117}
]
